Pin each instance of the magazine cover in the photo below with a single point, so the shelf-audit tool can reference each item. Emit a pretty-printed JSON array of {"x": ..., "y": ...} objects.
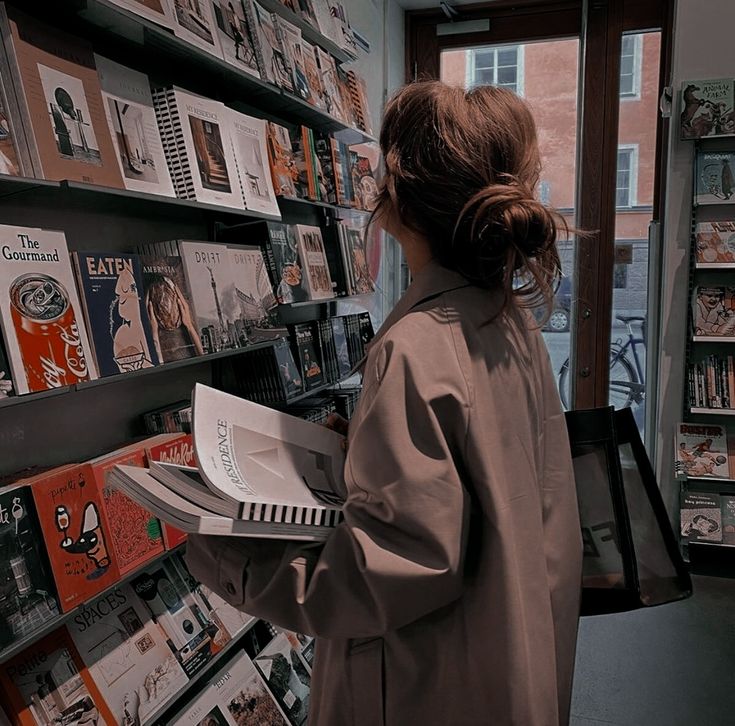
[
  {"x": 47, "y": 685},
  {"x": 317, "y": 281},
  {"x": 72, "y": 517},
  {"x": 284, "y": 171},
  {"x": 715, "y": 243},
  {"x": 7, "y": 387},
  {"x": 715, "y": 183},
  {"x": 126, "y": 654},
  {"x": 235, "y": 36},
  {"x": 708, "y": 108},
  {"x": 291, "y": 41},
  {"x": 205, "y": 135},
  {"x": 702, "y": 451},
  {"x": 313, "y": 76},
  {"x": 344, "y": 364},
  {"x": 287, "y": 678},
  {"x": 60, "y": 103},
  {"x": 27, "y": 591},
  {"x": 111, "y": 288},
  {"x": 325, "y": 21},
  {"x": 359, "y": 272},
  {"x": 728, "y": 518},
  {"x": 275, "y": 66},
  {"x": 229, "y": 618},
  {"x": 249, "y": 142},
  {"x": 157, "y": 11},
  {"x": 713, "y": 309},
  {"x": 235, "y": 696},
  {"x": 325, "y": 168},
  {"x": 701, "y": 517},
  {"x": 14, "y": 153},
  {"x": 255, "y": 294},
  {"x": 287, "y": 269},
  {"x": 302, "y": 142},
  {"x": 194, "y": 23},
  {"x": 291, "y": 380},
  {"x": 135, "y": 534},
  {"x": 190, "y": 635},
  {"x": 365, "y": 187},
  {"x": 216, "y": 305},
  {"x": 168, "y": 302},
  {"x": 131, "y": 118},
  {"x": 345, "y": 39},
  {"x": 332, "y": 96},
  {"x": 40, "y": 313},
  {"x": 307, "y": 355}
]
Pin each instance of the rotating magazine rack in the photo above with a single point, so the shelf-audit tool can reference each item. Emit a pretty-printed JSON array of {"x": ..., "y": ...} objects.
[{"x": 77, "y": 422}]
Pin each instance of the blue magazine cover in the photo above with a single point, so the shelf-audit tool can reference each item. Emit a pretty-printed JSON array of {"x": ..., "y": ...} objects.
[{"x": 111, "y": 288}]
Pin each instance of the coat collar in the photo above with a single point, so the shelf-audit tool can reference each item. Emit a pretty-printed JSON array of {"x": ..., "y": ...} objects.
[{"x": 432, "y": 280}]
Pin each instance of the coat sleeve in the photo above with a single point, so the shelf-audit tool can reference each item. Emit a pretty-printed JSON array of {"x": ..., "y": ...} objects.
[{"x": 399, "y": 553}]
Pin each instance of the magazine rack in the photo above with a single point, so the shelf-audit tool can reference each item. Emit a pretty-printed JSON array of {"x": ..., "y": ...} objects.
[
  {"x": 698, "y": 347},
  {"x": 78, "y": 422}
]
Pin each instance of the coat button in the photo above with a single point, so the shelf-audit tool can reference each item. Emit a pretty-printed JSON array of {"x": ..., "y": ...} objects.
[{"x": 230, "y": 588}]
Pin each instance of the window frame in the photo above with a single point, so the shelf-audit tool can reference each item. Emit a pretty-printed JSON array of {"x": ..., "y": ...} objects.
[
  {"x": 600, "y": 26},
  {"x": 633, "y": 151},
  {"x": 471, "y": 67},
  {"x": 635, "y": 94}
]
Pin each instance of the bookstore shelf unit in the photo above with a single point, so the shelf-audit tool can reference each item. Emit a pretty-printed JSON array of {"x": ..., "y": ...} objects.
[
  {"x": 54, "y": 427},
  {"x": 12, "y": 650},
  {"x": 707, "y": 273}
]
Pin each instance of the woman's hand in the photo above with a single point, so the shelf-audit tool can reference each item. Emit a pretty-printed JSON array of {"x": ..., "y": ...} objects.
[{"x": 335, "y": 422}]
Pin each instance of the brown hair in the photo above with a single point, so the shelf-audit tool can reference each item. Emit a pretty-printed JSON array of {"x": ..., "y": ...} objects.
[{"x": 461, "y": 168}]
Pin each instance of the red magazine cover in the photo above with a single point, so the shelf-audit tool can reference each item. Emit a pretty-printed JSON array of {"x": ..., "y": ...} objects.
[
  {"x": 178, "y": 450},
  {"x": 71, "y": 513},
  {"x": 135, "y": 533},
  {"x": 47, "y": 683}
]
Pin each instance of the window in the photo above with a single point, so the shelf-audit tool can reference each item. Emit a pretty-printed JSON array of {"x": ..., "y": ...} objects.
[
  {"x": 630, "y": 66},
  {"x": 620, "y": 276},
  {"x": 627, "y": 181},
  {"x": 501, "y": 66}
]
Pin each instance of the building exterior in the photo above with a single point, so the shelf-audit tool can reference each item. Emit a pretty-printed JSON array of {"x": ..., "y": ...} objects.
[{"x": 546, "y": 75}]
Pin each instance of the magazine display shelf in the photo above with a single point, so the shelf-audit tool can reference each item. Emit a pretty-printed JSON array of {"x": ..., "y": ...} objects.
[
  {"x": 309, "y": 31},
  {"x": 108, "y": 380},
  {"x": 119, "y": 25},
  {"x": 699, "y": 273},
  {"x": 162, "y": 716},
  {"x": 77, "y": 427},
  {"x": 12, "y": 650},
  {"x": 12, "y": 185}
]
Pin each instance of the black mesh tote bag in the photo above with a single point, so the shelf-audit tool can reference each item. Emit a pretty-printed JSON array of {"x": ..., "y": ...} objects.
[{"x": 631, "y": 557}]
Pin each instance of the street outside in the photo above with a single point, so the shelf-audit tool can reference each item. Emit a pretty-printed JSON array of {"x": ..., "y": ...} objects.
[{"x": 558, "y": 345}]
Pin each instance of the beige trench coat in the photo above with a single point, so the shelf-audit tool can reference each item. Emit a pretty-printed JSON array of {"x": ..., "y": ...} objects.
[{"x": 449, "y": 596}]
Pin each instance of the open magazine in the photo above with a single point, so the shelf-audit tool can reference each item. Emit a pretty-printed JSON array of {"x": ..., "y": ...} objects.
[{"x": 261, "y": 473}]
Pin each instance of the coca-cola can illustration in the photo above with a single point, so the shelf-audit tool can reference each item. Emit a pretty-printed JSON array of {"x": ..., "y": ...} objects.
[{"x": 47, "y": 332}]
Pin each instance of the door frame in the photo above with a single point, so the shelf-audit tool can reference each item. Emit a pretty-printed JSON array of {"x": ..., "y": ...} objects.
[{"x": 600, "y": 26}]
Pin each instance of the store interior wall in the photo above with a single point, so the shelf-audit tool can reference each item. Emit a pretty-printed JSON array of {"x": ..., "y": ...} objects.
[{"x": 702, "y": 49}]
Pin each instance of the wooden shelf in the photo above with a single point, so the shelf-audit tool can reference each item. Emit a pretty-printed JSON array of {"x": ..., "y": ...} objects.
[
  {"x": 713, "y": 339},
  {"x": 714, "y": 266},
  {"x": 55, "y": 622},
  {"x": 109, "y": 380},
  {"x": 713, "y": 411}
]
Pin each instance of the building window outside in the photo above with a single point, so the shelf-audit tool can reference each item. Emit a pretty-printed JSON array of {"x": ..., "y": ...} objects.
[
  {"x": 499, "y": 66},
  {"x": 620, "y": 276},
  {"x": 630, "y": 66},
  {"x": 627, "y": 181}
]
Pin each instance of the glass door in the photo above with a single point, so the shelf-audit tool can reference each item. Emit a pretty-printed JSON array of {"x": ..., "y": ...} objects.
[
  {"x": 545, "y": 74},
  {"x": 640, "y": 64}
]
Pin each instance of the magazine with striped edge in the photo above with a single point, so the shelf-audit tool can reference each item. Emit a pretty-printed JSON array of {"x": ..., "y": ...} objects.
[
  {"x": 196, "y": 133},
  {"x": 261, "y": 473}
]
